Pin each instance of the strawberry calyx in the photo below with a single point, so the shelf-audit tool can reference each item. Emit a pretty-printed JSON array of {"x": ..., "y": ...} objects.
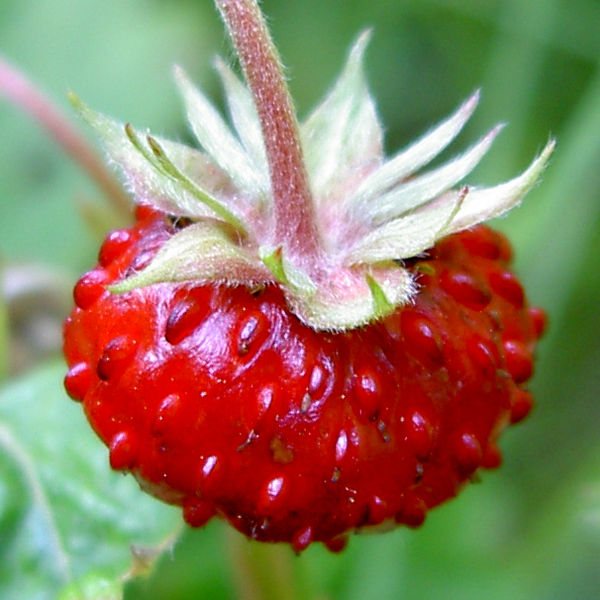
[{"x": 315, "y": 208}]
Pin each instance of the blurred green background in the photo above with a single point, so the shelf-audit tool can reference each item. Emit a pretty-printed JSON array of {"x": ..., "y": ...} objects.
[{"x": 531, "y": 530}]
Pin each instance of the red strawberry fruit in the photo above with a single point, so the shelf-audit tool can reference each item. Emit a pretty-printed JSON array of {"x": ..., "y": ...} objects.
[{"x": 298, "y": 334}]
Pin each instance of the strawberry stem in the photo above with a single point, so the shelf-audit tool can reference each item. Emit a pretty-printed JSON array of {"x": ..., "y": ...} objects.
[
  {"x": 4, "y": 331},
  {"x": 26, "y": 96},
  {"x": 261, "y": 571},
  {"x": 295, "y": 229}
]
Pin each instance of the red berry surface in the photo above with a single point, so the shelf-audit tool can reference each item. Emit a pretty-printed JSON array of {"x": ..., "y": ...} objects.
[{"x": 220, "y": 400}]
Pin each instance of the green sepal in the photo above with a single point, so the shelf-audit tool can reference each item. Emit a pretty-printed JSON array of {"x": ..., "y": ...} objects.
[
  {"x": 151, "y": 185},
  {"x": 394, "y": 170},
  {"x": 381, "y": 305},
  {"x": 338, "y": 305},
  {"x": 369, "y": 212},
  {"x": 218, "y": 141},
  {"x": 287, "y": 273},
  {"x": 486, "y": 203},
  {"x": 169, "y": 168},
  {"x": 409, "y": 235},
  {"x": 342, "y": 136},
  {"x": 93, "y": 586},
  {"x": 244, "y": 117},
  {"x": 274, "y": 262},
  {"x": 416, "y": 192},
  {"x": 204, "y": 253}
]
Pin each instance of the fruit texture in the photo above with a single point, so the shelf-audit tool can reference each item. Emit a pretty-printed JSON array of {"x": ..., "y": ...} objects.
[
  {"x": 221, "y": 400},
  {"x": 297, "y": 334}
]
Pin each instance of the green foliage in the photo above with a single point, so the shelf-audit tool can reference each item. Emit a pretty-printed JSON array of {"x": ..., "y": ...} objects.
[
  {"x": 63, "y": 514},
  {"x": 530, "y": 531}
]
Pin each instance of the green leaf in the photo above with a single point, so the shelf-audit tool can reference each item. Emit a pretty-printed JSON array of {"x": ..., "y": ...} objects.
[
  {"x": 64, "y": 515},
  {"x": 93, "y": 587}
]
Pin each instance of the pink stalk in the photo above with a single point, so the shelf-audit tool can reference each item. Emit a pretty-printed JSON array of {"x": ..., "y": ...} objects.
[
  {"x": 16, "y": 88},
  {"x": 295, "y": 227}
]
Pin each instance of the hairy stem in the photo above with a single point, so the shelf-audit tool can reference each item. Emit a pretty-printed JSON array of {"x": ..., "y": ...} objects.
[
  {"x": 295, "y": 228},
  {"x": 26, "y": 96}
]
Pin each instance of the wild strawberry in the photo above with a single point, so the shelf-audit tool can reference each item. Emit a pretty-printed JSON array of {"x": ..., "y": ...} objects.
[{"x": 304, "y": 346}]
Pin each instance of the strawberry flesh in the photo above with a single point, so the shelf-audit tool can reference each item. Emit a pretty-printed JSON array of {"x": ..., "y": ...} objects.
[{"x": 218, "y": 399}]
